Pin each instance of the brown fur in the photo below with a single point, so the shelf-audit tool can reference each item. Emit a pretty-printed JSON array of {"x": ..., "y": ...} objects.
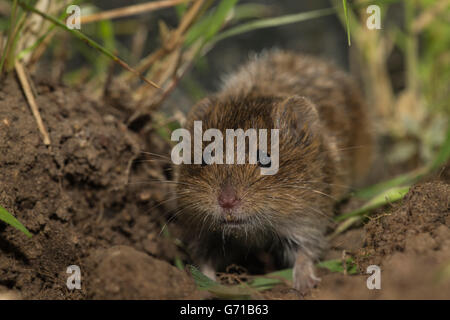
[{"x": 324, "y": 147}]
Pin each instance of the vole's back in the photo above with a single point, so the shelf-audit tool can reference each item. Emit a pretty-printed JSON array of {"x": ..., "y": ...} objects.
[{"x": 336, "y": 96}]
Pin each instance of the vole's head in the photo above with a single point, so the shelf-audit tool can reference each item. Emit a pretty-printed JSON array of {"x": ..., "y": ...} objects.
[{"x": 238, "y": 197}]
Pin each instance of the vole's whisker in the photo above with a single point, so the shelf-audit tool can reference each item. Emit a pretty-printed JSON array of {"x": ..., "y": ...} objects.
[
  {"x": 163, "y": 202},
  {"x": 168, "y": 221},
  {"x": 152, "y": 160},
  {"x": 158, "y": 181},
  {"x": 320, "y": 212},
  {"x": 173, "y": 216},
  {"x": 354, "y": 147},
  {"x": 344, "y": 186},
  {"x": 155, "y": 154},
  {"x": 312, "y": 190}
]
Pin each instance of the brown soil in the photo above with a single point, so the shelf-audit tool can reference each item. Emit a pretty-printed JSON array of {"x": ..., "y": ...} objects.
[
  {"x": 80, "y": 197},
  {"x": 85, "y": 204},
  {"x": 411, "y": 245}
]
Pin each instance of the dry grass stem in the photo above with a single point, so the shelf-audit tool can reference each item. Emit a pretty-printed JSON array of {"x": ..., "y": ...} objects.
[
  {"x": 31, "y": 101},
  {"x": 131, "y": 10}
]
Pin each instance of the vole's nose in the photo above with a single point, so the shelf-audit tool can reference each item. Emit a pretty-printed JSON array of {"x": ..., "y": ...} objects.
[{"x": 228, "y": 198}]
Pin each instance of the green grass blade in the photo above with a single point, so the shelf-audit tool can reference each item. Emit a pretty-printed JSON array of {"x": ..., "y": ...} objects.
[
  {"x": 404, "y": 179},
  {"x": 444, "y": 153},
  {"x": 196, "y": 31},
  {"x": 11, "y": 58},
  {"x": 11, "y": 27},
  {"x": 251, "y": 11},
  {"x": 105, "y": 32},
  {"x": 217, "y": 289},
  {"x": 337, "y": 265},
  {"x": 36, "y": 44},
  {"x": 345, "y": 225},
  {"x": 180, "y": 9},
  {"x": 7, "y": 217},
  {"x": 240, "y": 12},
  {"x": 220, "y": 15},
  {"x": 389, "y": 196},
  {"x": 270, "y": 280},
  {"x": 272, "y": 22},
  {"x": 179, "y": 263},
  {"x": 202, "y": 281},
  {"x": 347, "y": 21},
  {"x": 209, "y": 26}
]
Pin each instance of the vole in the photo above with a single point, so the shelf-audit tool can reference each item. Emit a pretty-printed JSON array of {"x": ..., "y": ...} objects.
[{"x": 229, "y": 210}]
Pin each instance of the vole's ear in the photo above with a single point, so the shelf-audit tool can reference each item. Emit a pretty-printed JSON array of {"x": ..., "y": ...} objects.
[
  {"x": 296, "y": 114},
  {"x": 198, "y": 110}
]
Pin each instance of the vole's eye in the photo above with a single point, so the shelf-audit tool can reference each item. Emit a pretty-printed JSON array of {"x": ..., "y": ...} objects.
[{"x": 263, "y": 159}]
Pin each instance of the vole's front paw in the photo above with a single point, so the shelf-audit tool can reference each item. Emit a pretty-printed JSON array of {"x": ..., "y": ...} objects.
[
  {"x": 304, "y": 278},
  {"x": 208, "y": 270}
]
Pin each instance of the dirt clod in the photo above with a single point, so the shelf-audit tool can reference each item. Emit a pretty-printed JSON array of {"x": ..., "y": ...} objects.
[{"x": 122, "y": 272}]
